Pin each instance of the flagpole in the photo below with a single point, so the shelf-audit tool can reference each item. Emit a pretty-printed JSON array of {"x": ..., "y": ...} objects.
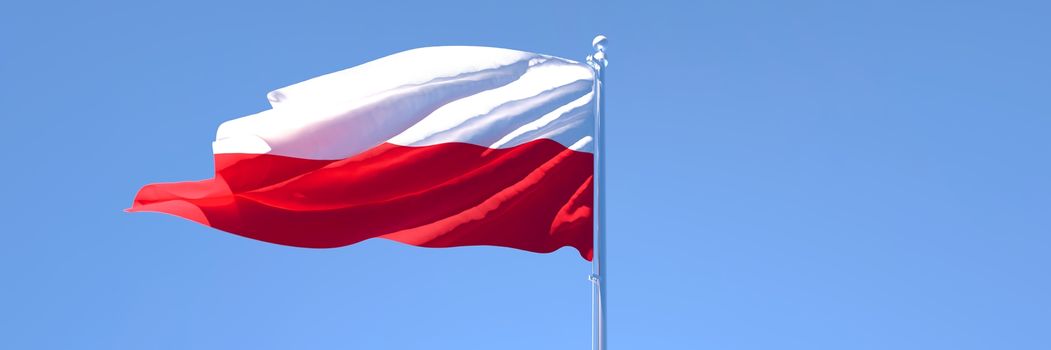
[{"x": 597, "y": 61}]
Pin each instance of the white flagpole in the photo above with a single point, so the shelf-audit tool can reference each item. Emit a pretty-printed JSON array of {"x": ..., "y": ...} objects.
[{"x": 597, "y": 61}]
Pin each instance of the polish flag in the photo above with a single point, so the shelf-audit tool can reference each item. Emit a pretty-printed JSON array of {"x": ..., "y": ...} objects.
[{"x": 433, "y": 147}]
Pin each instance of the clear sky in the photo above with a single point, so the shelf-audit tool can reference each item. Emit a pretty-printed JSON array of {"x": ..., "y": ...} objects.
[{"x": 782, "y": 175}]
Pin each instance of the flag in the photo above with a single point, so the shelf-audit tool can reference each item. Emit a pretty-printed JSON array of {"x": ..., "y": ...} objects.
[{"x": 433, "y": 147}]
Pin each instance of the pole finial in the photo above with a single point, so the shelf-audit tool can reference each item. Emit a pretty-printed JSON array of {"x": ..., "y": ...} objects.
[
  {"x": 599, "y": 43},
  {"x": 598, "y": 60}
]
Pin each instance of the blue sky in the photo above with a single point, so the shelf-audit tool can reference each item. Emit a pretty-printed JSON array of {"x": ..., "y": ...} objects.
[{"x": 782, "y": 175}]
